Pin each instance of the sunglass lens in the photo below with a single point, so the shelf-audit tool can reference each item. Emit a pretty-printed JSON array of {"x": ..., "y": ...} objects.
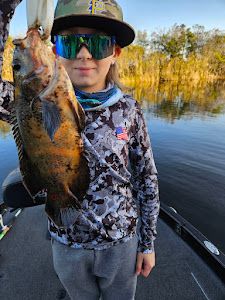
[
  {"x": 66, "y": 46},
  {"x": 103, "y": 47}
]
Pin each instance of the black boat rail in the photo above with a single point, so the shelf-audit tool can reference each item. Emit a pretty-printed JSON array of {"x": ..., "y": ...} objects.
[{"x": 214, "y": 258}]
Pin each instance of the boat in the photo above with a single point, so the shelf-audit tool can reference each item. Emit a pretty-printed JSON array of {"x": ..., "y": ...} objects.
[{"x": 188, "y": 265}]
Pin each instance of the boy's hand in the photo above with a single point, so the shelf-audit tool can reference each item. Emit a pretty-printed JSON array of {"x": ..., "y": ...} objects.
[{"x": 145, "y": 263}]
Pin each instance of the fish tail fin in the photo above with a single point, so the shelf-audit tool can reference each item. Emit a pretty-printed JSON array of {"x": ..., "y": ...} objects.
[{"x": 66, "y": 214}]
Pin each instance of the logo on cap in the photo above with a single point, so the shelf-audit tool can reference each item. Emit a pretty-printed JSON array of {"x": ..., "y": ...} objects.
[{"x": 96, "y": 6}]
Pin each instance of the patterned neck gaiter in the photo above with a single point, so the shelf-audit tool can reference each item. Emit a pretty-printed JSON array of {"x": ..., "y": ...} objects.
[{"x": 90, "y": 101}]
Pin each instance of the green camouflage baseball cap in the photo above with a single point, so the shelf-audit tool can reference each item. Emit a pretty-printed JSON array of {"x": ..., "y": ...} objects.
[{"x": 104, "y": 15}]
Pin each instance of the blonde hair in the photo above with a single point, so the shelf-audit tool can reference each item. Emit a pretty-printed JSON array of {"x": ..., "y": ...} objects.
[{"x": 113, "y": 76}]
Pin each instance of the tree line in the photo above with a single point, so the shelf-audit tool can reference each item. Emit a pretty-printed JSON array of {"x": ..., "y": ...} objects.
[{"x": 178, "y": 54}]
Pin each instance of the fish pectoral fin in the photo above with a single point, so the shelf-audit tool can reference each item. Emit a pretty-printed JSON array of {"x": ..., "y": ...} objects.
[{"x": 50, "y": 117}]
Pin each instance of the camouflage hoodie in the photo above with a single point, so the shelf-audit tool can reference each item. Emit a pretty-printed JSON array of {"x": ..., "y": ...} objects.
[
  {"x": 124, "y": 184},
  {"x": 123, "y": 181}
]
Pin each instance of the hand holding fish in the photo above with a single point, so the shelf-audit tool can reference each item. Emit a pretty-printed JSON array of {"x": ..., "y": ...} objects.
[{"x": 40, "y": 13}]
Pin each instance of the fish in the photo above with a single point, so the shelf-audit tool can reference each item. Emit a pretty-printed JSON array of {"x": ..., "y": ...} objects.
[{"x": 47, "y": 124}]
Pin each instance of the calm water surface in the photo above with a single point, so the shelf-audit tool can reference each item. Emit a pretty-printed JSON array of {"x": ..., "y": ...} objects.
[{"x": 187, "y": 130}]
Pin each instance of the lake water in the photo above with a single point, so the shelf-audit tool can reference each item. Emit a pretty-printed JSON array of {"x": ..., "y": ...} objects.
[{"x": 187, "y": 131}]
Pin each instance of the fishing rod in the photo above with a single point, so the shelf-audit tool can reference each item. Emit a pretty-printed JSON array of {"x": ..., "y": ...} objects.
[{"x": 4, "y": 211}]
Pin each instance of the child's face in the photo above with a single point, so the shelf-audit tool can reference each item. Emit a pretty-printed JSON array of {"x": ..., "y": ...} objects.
[{"x": 86, "y": 73}]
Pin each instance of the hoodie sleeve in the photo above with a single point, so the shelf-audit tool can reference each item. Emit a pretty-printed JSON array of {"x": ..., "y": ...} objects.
[
  {"x": 6, "y": 98},
  {"x": 7, "y": 9},
  {"x": 145, "y": 182}
]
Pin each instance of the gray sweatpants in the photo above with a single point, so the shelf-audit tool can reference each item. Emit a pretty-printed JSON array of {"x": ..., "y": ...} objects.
[{"x": 89, "y": 274}]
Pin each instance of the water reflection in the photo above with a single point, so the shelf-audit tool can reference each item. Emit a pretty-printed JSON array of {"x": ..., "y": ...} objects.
[
  {"x": 173, "y": 100},
  {"x": 4, "y": 129}
]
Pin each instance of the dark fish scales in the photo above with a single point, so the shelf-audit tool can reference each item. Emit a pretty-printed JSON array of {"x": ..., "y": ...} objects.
[{"x": 47, "y": 124}]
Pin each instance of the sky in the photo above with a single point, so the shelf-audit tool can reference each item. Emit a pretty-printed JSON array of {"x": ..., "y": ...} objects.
[{"x": 153, "y": 15}]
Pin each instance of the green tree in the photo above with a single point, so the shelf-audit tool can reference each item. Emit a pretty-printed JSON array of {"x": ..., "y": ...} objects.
[{"x": 179, "y": 41}]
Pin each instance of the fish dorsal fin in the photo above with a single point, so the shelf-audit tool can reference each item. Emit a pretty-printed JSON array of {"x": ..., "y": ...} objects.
[{"x": 17, "y": 135}]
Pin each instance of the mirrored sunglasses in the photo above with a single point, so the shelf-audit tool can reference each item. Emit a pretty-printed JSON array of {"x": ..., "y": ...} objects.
[{"x": 100, "y": 46}]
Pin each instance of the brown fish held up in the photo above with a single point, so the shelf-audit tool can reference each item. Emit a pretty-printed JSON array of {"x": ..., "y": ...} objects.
[{"x": 47, "y": 126}]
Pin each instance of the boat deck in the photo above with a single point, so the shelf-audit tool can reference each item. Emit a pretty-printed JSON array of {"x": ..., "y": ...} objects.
[{"x": 26, "y": 269}]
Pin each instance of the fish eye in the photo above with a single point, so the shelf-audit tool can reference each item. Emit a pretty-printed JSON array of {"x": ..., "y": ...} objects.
[{"x": 16, "y": 67}]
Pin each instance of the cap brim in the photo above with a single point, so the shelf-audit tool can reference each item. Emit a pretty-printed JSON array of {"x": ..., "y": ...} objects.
[{"x": 124, "y": 33}]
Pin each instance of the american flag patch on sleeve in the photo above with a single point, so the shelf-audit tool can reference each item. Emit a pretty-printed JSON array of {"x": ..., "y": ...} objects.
[{"x": 121, "y": 133}]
